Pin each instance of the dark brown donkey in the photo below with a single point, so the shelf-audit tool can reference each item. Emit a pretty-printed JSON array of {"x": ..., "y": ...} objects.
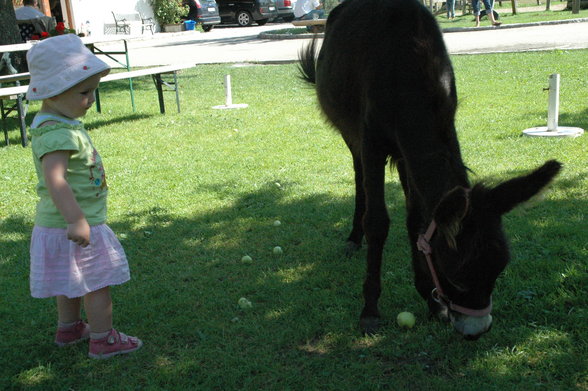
[{"x": 384, "y": 80}]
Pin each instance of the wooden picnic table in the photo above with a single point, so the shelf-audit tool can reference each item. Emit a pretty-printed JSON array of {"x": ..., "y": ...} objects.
[
  {"x": 18, "y": 92},
  {"x": 100, "y": 47}
]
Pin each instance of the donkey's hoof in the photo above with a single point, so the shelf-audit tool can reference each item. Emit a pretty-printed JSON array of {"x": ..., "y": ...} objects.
[
  {"x": 351, "y": 248},
  {"x": 370, "y": 325}
]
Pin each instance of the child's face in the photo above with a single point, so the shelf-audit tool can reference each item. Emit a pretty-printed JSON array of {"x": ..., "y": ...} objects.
[{"x": 75, "y": 102}]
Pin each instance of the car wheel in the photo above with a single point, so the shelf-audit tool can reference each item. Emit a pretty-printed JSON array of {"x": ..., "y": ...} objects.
[
  {"x": 244, "y": 19},
  {"x": 261, "y": 22},
  {"x": 207, "y": 27}
]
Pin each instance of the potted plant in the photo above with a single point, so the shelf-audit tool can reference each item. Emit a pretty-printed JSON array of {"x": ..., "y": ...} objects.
[{"x": 169, "y": 13}]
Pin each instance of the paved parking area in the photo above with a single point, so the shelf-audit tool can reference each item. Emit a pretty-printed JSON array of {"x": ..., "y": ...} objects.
[{"x": 242, "y": 44}]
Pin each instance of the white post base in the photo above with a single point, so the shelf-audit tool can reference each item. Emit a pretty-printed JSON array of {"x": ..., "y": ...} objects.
[
  {"x": 561, "y": 131},
  {"x": 232, "y": 106}
]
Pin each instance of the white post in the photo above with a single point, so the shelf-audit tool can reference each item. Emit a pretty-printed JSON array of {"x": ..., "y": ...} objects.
[
  {"x": 229, "y": 97},
  {"x": 228, "y": 93},
  {"x": 553, "y": 129},
  {"x": 553, "y": 108}
]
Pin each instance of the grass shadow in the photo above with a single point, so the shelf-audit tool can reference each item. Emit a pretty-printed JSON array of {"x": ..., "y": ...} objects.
[{"x": 307, "y": 300}]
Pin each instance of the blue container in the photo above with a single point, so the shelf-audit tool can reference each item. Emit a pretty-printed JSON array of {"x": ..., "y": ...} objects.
[{"x": 190, "y": 24}]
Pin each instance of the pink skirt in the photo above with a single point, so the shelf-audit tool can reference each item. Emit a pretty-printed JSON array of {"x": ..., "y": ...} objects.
[{"x": 61, "y": 267}]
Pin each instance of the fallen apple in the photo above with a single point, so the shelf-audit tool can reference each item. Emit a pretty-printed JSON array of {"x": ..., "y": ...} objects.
[
  {"x": 244, "y": 303},
  {"x": 405, "y": 319}
]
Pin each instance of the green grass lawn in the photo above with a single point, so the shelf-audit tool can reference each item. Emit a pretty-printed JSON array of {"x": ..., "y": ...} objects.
[{"x": 192, "y": 193}]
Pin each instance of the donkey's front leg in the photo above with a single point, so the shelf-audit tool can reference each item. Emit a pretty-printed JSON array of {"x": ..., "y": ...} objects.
[{"x": 375, "y": 225}]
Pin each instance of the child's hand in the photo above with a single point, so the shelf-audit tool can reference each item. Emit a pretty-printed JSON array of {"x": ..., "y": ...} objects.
[{"x": 79, "y": 232}]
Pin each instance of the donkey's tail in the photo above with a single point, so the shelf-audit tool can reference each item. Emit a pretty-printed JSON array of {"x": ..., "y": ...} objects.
[{"x": 307, "y": 62}]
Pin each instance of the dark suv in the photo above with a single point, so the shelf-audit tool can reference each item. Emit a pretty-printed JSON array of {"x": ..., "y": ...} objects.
[
  {"x": 204, "y": 12},
  {"x": 245, "y": 12}
]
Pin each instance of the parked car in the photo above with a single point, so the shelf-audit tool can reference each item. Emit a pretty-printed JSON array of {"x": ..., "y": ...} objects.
[
  {"x": 204, "y": 12},
  {"x": 245, "y": 12},
  {"x": 286, "y": 9}
]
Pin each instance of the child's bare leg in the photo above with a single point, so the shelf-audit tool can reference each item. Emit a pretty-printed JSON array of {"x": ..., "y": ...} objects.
[
  {"x": 68, "y": 310},
  {"x": 98, "y": 306},
  {"x": 70, "y": 329},
  {"x": 105, "y": 341}
]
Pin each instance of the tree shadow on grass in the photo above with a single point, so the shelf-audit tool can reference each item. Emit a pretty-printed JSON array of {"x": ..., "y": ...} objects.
[{"x": 187, "y": 278}]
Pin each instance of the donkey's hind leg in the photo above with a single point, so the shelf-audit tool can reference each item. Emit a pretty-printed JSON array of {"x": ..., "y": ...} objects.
[{"x": 356, "y": 236}]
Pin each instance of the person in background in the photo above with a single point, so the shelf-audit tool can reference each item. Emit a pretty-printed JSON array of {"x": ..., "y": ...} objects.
[
  {"x": 308, "y": 9},
  {"x": 488, "y": 5},
  {"x": 450, "y": 4},
  {"x": 75, "y": 256},
  {"x": 29, "y": 10}
]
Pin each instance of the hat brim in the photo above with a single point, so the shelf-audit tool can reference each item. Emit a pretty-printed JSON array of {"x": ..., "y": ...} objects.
[{"x": 39, "y": 90}]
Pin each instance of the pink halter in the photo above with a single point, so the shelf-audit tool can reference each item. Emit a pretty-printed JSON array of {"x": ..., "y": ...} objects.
[{"x": 423, "y": 244}]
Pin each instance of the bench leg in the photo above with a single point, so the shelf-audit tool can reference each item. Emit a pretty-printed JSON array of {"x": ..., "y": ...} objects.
[
  {"x": 21, "y": 120},
  {"x": 4, "y": 128},
  {"x": 98, "y": 107},
  {"x": 158, "y": 84},
  {"x": 130, "y": 80},
  {"x": 177, "y": 91}
]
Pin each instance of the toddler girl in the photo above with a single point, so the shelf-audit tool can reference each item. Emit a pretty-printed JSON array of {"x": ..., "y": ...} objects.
[{"x": 74, "y": 254}]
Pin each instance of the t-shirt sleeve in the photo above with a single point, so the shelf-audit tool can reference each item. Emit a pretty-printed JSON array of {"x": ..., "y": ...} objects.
[{"x": 56, "y": 140}]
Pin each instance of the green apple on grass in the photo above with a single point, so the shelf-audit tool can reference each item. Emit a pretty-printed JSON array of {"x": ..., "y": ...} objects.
[{"x": 405, "y": 319}]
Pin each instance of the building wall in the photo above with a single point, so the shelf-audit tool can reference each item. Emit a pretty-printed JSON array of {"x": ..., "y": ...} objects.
[{"x": 97, "y": 14}]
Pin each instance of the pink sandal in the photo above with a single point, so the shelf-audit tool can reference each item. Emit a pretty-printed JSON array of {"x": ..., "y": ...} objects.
[
  {"x": 79, "y": 332},
  {"x": 113, "y": 344}
]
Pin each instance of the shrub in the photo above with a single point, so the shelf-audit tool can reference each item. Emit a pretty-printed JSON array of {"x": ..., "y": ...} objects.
[{"x": 169, "y": 11}]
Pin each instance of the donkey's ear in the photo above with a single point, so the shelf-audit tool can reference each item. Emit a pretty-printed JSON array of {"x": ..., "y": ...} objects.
[
  {"x": 511, "y": 193},
  {"x": 450, "y": 212}
]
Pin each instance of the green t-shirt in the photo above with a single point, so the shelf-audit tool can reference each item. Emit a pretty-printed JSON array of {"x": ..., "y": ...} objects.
[{"x": 85, "y": 173}]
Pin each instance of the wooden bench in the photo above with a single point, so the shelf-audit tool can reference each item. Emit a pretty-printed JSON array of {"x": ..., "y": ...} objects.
[
  {"x": 310, "y": 22},
  {"x": 18, "y": 92},
  {"x": 313, "y": 25},
  {"x": 14, "y": 93}
]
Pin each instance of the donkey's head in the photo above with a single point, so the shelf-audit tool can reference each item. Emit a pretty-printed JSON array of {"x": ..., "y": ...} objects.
[{"x": 468, "y": 249}]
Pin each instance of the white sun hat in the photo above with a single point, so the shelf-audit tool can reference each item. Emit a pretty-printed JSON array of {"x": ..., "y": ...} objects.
[{"x": 58, "y": 63}]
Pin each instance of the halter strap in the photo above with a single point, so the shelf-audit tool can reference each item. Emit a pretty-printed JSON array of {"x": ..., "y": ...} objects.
[{"x": 424, "y": 245}]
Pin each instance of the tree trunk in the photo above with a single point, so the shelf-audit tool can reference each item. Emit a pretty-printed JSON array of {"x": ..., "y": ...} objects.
[
  {"x": 575, "y": 6},
  {"x": 548, "y": 5},
  {"x": 9, "y": 34},
  {"x": 514, "y": 6}
]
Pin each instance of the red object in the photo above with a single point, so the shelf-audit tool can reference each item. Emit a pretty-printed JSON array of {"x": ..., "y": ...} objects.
[
  {"x": 287, "y": 3},
  {"x": 85, "y": 68},
  {"x": 60, "y": 27},
  {"x": 44, "y": 34},
  {"x": 198, "y": 5},
  {"x": 35, "y": 36}
]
